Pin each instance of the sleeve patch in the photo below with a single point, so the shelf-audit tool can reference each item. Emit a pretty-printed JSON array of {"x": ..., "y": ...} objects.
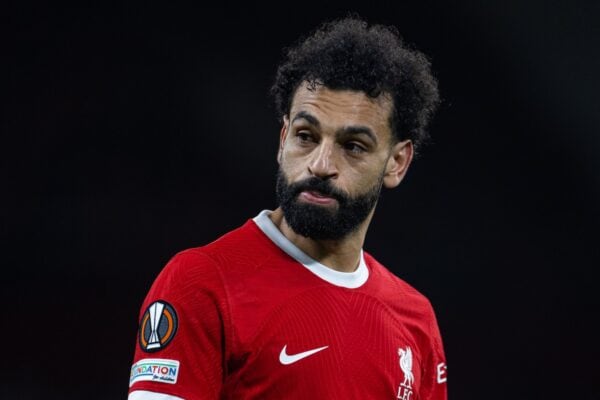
[
  {"x": 158, "y": 326},
  {"x": 154, "y": 369}
]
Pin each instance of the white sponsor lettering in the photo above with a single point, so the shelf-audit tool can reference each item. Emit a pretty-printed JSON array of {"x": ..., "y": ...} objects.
[{"x": 441, "y": 373}]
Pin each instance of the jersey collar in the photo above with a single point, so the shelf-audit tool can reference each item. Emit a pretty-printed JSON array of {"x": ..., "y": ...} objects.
[{"x": 351, "y": 280}]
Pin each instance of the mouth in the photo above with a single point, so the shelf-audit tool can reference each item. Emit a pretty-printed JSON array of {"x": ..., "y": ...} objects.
[{"x": 312, "y": 196}]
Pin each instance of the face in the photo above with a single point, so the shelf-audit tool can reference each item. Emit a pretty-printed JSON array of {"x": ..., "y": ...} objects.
[{"x": 336, "y": 151}]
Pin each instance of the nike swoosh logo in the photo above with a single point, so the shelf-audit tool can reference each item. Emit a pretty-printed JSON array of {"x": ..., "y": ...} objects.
[{"x": 287, "y": 359}]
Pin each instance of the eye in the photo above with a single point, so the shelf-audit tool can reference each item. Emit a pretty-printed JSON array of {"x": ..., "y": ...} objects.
[
  {"x": 354, "y": 148},
  {"x": 304, "y": 137}
]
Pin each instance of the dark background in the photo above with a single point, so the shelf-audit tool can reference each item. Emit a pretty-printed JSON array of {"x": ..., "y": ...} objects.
[{"x": 131, "y": 131}]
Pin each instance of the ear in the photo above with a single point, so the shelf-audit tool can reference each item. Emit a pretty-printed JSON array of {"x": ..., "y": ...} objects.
[
  {"x": 282, "y": 136},
  {"x": 397, "y": 164}
]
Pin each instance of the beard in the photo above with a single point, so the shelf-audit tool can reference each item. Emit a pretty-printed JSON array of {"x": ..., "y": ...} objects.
[{"x": 321, "y": 222}]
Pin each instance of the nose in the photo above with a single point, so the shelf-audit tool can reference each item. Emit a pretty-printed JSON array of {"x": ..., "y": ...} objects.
[{"x": 322, "y": 163}]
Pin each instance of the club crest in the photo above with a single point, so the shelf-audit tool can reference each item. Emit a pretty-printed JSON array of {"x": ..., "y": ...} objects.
[
  {"x": 406, "y": 366},
  {"x": 405, "y": 391}
]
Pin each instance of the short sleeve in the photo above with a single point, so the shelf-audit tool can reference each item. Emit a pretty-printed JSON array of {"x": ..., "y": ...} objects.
[
  {"x": 181, "y": 340},
  {"x": 433, "y": 385}
]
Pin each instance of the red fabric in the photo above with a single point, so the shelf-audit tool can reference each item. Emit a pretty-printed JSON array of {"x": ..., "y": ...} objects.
[{"x": 241, "y": 299}]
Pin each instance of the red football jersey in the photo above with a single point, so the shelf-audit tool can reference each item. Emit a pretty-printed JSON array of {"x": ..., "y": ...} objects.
[{"x": 250, "y": 316}]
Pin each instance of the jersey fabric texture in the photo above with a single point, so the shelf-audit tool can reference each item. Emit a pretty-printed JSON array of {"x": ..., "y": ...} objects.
[{"x": 256, "y": 318}]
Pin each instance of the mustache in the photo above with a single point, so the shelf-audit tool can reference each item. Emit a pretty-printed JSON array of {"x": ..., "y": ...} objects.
[{"x": 325, "y": 187}]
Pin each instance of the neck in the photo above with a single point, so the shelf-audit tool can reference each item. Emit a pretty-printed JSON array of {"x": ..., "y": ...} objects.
[{"x": 341, "y": 255}]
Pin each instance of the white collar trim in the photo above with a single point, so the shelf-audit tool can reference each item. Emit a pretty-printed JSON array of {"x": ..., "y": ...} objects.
[{"x": 351, "y": 280}]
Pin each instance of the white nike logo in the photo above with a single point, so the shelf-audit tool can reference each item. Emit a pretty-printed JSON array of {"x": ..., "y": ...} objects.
[{"x": 287, "y": 359}]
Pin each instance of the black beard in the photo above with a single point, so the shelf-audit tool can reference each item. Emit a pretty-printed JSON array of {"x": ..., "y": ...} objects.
[{"x": 320, "y": 222}]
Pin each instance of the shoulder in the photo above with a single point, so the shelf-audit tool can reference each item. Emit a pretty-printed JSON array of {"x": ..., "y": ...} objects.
[
  {"x": 187, "y": 268},
  {"x": 207, "y": 265},
  {"x": 397, "y": 291},
  {"x": 240, "y": 245},
  {"x": 411, "y": 306}
]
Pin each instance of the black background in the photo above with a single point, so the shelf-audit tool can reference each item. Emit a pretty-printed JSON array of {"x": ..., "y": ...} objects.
[{"x": 133, "y": 131}]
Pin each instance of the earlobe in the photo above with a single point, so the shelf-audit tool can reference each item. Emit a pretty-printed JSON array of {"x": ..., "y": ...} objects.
[
  {"x": 398, "y": 163},
  {"x": 282, "y": 137}
]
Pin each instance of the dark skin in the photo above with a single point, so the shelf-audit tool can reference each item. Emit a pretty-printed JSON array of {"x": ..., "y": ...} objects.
[{"x": 343, "y": 136}]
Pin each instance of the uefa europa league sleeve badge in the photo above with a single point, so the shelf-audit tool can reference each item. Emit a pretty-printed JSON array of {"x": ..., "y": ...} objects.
[{"x": 158, "y": 326}]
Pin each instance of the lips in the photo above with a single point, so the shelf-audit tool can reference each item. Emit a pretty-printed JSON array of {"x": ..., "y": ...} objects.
[
  {"x": 318, "y": 194},
  {"x": 315, "y": 197}
]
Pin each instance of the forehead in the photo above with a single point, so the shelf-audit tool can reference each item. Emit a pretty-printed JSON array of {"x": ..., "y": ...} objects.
[{"x": 341, "y": 108}]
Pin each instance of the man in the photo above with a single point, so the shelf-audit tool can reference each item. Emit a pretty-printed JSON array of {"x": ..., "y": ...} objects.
[{"x": 289, "y": 306}]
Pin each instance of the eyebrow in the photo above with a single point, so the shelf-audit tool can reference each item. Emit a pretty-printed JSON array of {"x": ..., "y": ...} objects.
[
  {"x": 308, "y": 117},
  {"x": 357, "y": 130},
  {"x": 345, "y": 131}
]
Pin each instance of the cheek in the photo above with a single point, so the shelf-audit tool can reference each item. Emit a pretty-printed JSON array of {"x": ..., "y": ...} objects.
[
  {"x": 290, "y": 166},
  {"x": 295, "y": 151},
  {"x": 363, "y": 180},
  {"x": 294, "y": 157},
  {"x": 352, "y": 182}
]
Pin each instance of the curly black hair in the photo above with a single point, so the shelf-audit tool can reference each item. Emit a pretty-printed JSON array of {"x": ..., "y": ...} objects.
[{"x": 349, "y": 54}]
